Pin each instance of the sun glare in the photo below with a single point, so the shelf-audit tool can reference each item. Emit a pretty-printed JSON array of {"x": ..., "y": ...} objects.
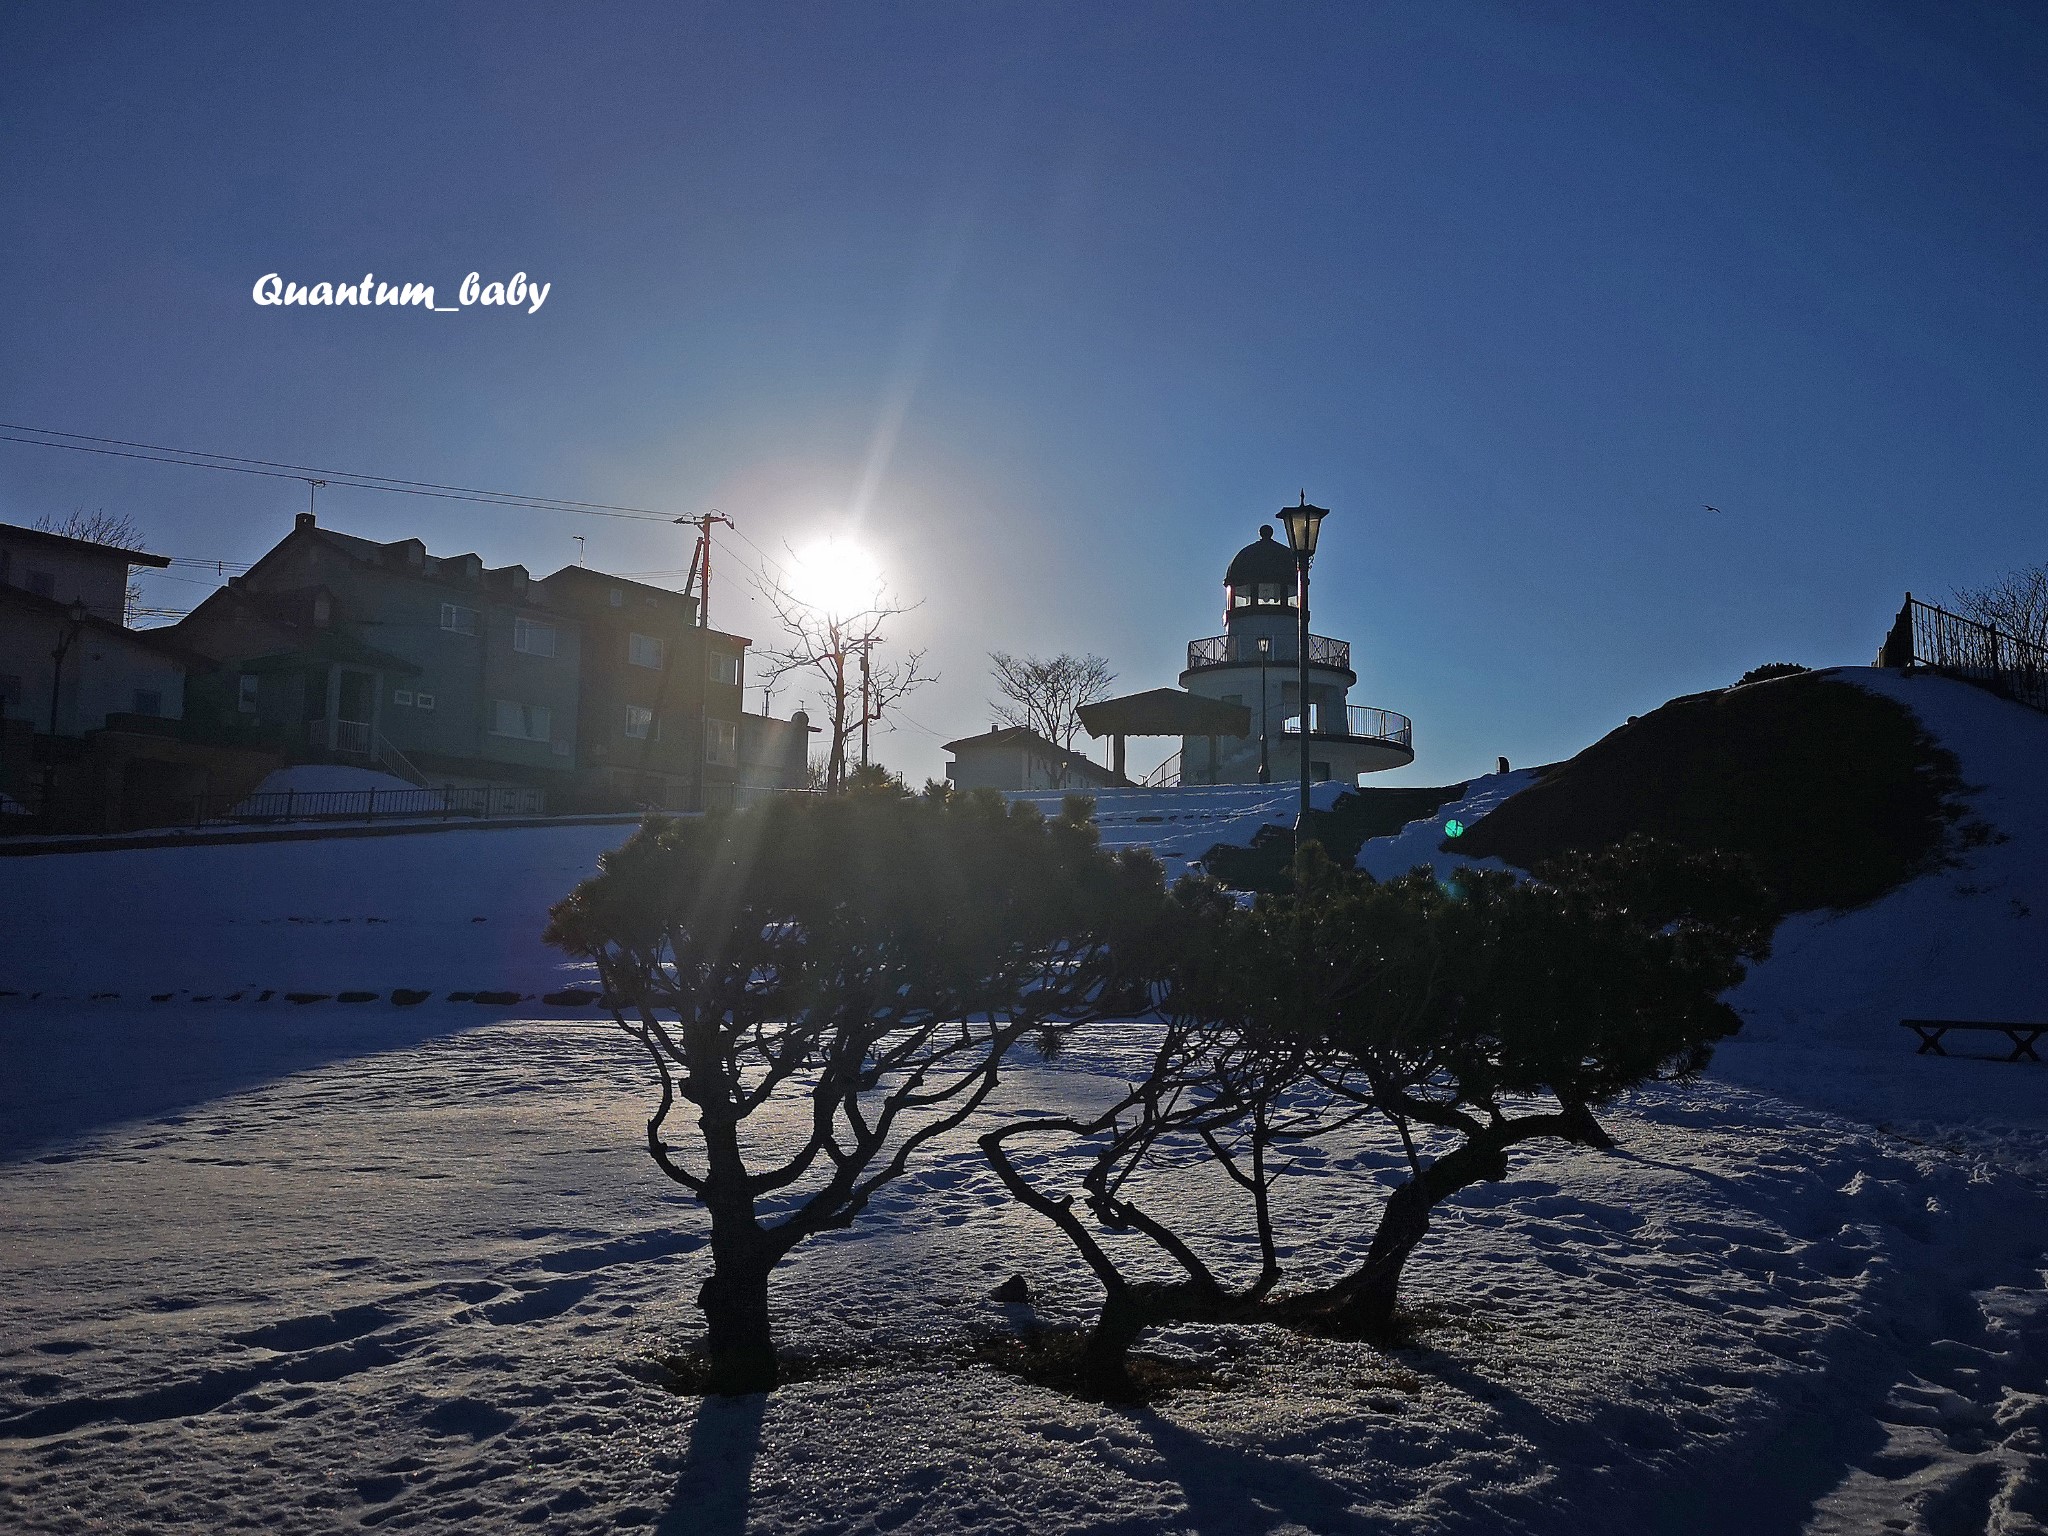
[{"x": 836, "y": 576}]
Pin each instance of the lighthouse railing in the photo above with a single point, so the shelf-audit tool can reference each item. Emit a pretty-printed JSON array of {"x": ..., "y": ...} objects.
[
  {"x": 1243, "y": 651},
  {"x": 1359, "y": 722}
]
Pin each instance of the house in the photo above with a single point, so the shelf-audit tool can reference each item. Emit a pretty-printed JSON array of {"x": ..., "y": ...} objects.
[
  {"x": 70, "y": 595},
  {"x": 93, "y": 727},
  {"x": 1015, "y": 758},
  {"x": 658, "y": 714},
  {"x": 437, "y": 668}
]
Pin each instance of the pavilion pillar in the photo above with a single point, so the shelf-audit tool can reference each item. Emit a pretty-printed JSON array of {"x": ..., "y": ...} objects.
[{"x": 1117, "y": 753}]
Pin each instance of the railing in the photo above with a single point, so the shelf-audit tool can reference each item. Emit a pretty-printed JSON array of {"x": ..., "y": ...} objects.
[
  {"x": 352, "y": 736},
  {"x": 1927, "y": 636},
  {"x": 1241, "y": 651},
  {"x": 1360, "y": 723},
  {"x": 1165, "y": 776},
  {"x": 370, "y": 804}
]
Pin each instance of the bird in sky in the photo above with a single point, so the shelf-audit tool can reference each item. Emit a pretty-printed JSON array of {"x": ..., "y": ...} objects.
[{"x": 1710, "y": 509}]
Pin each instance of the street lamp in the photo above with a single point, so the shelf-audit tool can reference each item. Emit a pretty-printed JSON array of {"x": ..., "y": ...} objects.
[
  {"x": 75, "y": 621},
  {"x": 1265, "y": 644},
  {"x": 1303, "y": 524}
]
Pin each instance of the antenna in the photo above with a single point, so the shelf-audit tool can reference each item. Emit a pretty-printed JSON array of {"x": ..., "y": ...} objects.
[{"x": 579, "y": 547}]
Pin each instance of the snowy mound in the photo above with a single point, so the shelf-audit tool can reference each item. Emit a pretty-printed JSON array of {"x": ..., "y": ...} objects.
[
  {"x": 1421, "y": 842},
  {"x": 1181, "y": 824},
  {"x": 327, "y": 778},
  {"x": 1969, "y": 941}
]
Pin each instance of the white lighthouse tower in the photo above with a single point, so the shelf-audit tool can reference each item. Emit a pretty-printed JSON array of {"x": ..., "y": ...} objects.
[{"x": 1254, "y": 662}]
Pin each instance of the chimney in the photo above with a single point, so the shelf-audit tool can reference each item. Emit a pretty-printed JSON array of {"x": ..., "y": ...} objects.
[{"x": 302, "y": 522}]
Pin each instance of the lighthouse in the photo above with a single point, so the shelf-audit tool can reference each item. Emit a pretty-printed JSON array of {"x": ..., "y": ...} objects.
[{"x": 1255, "y": 663}]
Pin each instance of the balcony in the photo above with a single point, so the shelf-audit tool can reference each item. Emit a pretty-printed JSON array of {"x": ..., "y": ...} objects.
[
  {"x": 1223, "y": 651},
  {"x": 1360, "y": 723}
]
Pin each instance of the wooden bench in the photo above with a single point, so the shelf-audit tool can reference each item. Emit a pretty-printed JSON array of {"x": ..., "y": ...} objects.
[{"x": 1930, "y": 1032}]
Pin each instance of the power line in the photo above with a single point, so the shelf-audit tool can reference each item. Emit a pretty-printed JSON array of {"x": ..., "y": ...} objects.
[{"x": 193, "y": 458}]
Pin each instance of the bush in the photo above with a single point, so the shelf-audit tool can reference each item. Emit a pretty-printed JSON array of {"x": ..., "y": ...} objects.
[
  {"x": 849, "y": 972},
  {"x": 1465, "y": 1018}
]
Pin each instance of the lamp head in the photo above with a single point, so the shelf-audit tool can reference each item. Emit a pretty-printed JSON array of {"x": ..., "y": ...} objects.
[
  {"x": 1265, "y": 644},
  {"x": 1303, "y": 524},
  {"x": 78, "y": 610}
]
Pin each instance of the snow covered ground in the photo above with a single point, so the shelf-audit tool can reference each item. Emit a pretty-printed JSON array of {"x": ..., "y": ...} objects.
[
  {"x": 415, "y": 1284},
  {"x": 302, "y": 1269}
]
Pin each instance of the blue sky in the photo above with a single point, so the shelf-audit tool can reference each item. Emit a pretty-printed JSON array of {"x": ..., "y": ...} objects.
[{"x": 1052, "y": 305}]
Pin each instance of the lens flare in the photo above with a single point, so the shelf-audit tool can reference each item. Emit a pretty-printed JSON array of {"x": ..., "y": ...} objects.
[{"x": 835, "y": 576}]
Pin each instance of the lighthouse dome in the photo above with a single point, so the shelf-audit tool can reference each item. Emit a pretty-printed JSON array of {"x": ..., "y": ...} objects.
[{"x": 1265, "y": 561}]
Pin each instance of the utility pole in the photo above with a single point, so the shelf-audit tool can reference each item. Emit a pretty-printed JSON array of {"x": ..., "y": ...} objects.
[
  {"x": 700, "y": 575},
  {"x": 867, "y": 641}
]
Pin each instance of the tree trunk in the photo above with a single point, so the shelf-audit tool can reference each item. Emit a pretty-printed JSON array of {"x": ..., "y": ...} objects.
[
  {"x": 1369, "y": 1307},
  {"x": 1105, "y": 1361},
  {"x": 739, "y": 1345}
]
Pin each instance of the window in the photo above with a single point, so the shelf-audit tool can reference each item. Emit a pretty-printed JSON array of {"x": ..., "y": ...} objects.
[
  {"x": 458, "y": 620},
  {"x": 644, "y": 651},
  {"x": 724, "y": 668},
  {"x": 423, "y": 701},
  {"x": 401, "y": 696},
  {"x": 1271, "y": 592},
  {"x": 618, "y": 598},
  {"x": 148, "y": 702},
  {"x": 248, "y": 686},
  {"x": 640, "y": 724},
  {"x": 533, "y": 638},
  {"x": 526, "y": 722},
  {"x": 721, "y": 742},
  {"x": 1319, "y": 773},
  {"x": 41, "y": 583}
]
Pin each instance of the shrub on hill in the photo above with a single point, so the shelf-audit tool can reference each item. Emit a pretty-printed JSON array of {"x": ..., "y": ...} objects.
[
  {"x": 1834, "y": 793},
  {"x": 828, "y": 983},
  {"x": 1769, "y": 670}
]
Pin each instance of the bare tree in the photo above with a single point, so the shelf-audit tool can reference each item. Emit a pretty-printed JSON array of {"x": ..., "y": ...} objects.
[
  {"x": 1046, "y": 693},
  {"x": 2017, "y": 604},
  {"x": 837, "y": 652},
  {"x": 99, "y": 526}
]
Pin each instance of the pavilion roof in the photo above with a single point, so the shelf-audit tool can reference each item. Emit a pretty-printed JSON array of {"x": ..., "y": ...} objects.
[{"x": 1165, "y": 712}]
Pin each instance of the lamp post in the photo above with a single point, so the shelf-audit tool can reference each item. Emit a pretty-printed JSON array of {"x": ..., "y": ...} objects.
[
  {"x": 66, "y": 637},
  {"x": 1265, "y": 644},
  {"x": 1303, "y": 524}
]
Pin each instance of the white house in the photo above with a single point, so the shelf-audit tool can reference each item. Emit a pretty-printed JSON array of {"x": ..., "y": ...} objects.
[{"x": 1013, "y": 758}]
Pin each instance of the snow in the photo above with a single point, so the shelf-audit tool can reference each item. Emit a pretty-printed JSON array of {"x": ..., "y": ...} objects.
[
  {"x": 1419, "y": 843},
  {"x": 1969, "y": 941},
  {"x": 454, "y": 906},
  {"x": 420, "y": 1286},
  {"x": 327, "y": 778},
  {"x": 1179, "y": 825}
]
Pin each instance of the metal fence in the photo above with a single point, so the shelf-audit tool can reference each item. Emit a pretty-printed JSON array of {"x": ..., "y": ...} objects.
[
  {"x": 1243, "y": 651},
  {"x": 1361, "y": 722},
  {"x": 372, "y": 804},
  {"x": 1927, "y": 636}
]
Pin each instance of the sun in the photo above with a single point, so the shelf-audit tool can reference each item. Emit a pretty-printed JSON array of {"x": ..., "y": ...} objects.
[{"x": 836, "y": 576}]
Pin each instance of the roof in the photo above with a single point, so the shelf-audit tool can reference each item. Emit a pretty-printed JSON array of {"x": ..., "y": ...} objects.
[
  {"x": 1265, "y": 559},
  {"x": 149, "y": 639},
  {"x": 1165, "y": 712},
  {"x": 83, "y": 546},
  {"x": 1018, "y": 736}
]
